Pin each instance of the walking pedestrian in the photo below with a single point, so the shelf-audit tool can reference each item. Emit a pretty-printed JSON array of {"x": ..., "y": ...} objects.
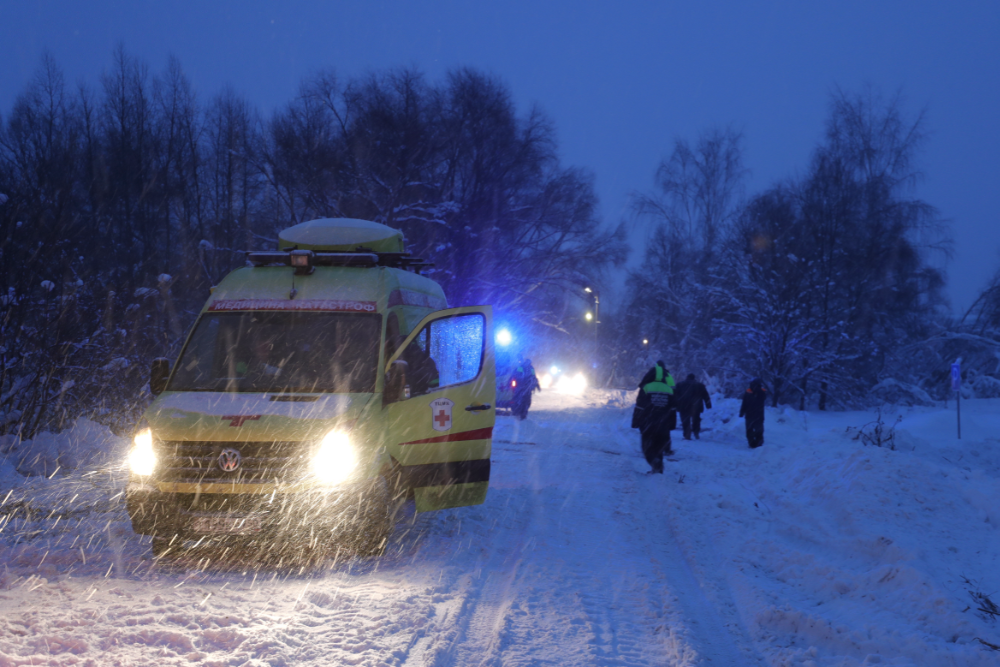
[
  {"x": 752, "y": 409},
  {"x": 692, "y": 399},
  {"x": 525, "y": 383},
  {"x": 655, "y": 415}
]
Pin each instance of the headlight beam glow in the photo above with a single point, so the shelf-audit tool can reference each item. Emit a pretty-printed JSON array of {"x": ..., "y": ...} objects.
[
  {"x": 141, "y": 459},
  {"x": 335, "y": 459},
  {"x": 574, "y": 385}
]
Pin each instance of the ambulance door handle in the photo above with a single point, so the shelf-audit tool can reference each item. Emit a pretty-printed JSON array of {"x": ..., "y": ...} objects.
[{"x": 477, "y": 408}]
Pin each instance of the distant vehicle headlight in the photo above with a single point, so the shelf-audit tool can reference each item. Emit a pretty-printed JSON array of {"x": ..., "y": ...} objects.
[
  {"x": 141, "y": 459},
  {"x": 335, "y": 459},
  {"x": 572, "y": 385}
]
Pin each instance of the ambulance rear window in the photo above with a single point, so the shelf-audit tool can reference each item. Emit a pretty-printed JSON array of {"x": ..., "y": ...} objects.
[{"x": 261, "y": 351}]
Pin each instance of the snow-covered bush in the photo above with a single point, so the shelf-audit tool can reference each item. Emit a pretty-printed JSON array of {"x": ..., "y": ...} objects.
[
  {"x": 895, "y": 392},
  {"x": 876, "y": 433},
  {"x": 986, "y": 386}
]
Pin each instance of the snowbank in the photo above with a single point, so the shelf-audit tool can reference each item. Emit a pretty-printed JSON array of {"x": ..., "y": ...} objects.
[{"x": 85, "y": 444}]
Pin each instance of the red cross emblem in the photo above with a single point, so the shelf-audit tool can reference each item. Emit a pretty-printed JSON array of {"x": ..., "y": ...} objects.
[{"x": 441, "y": 414}]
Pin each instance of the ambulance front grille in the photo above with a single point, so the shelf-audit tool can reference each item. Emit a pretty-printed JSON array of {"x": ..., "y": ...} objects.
[{"x": 194, "y": 461}]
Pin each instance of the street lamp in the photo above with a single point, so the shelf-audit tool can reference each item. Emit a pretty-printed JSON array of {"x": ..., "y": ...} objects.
[
  {"x": 597, "y": 304},
  {"x": 594, "y": 317}
]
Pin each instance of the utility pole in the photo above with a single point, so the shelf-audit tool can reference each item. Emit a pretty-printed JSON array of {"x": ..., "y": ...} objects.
[{"x": 956, "y": 386}]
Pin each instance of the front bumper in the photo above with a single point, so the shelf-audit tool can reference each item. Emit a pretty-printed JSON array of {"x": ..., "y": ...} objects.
[{"x": 278, "y": 515}]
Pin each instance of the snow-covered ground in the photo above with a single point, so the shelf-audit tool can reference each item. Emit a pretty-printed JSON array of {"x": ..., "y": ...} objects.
[{"x": 813, "y": 550}]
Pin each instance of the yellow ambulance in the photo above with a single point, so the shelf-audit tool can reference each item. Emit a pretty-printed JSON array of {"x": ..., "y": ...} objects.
[{"x": 320, "y": 384}]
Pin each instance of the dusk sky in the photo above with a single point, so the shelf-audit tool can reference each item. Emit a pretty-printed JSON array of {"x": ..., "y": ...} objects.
[{"x": 620, "y": 80}]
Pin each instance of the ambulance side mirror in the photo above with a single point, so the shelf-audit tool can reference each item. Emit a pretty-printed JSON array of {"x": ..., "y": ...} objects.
[
  {"x": 158, "y": 374},
  {"x": 395, "y": 383}
]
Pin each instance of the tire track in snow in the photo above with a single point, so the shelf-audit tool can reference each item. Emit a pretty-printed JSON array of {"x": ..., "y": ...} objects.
[
  {"x": 713, "y": 639},
  {"x": 485, "y": 602},
  {"x": 591, "y": 585},
  {"x": 642, "y": 614},
  {"x": 482, "y": 641}
]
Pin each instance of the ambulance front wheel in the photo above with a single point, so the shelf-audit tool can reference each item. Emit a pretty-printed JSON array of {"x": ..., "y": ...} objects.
[
  {"x": 379, "y": 521},
  {"x": 373, "y": 542},
  {"x": 161, "y": 547}
]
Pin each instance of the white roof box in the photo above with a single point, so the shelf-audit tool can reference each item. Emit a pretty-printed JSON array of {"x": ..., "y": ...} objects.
[{"x": 341, "y": 235}]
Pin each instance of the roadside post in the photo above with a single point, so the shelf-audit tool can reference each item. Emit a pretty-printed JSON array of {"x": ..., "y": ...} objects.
[{"x": 956, "y": 386}]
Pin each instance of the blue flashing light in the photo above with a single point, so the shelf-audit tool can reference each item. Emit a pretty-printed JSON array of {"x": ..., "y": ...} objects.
[
  {"x": 554, "y": 370},
  {"x": 504, "y": 338}
]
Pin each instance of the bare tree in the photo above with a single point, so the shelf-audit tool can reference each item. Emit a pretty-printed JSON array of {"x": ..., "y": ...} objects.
[
  {"x": 870, "y": 271},
  {"x": 698, "y": 188},
  {"x": 698, "y": 197},
  {"x": 233, "y": 183},
  {"x": 179, "y": 177}
]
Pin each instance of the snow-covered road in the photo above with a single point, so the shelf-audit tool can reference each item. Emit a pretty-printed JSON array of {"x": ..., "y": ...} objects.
[{"x": 813, "y": 550}]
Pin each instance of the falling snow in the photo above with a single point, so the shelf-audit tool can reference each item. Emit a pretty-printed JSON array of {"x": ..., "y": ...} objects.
[{"x": 813, "y": 550}]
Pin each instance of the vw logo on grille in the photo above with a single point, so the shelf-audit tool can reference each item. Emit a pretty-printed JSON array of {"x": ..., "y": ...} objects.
[{"x": 229, "y": 460}]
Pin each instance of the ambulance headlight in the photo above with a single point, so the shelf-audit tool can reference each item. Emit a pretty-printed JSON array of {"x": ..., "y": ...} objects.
[
  {"x": 335, "y": 459},
  {"x": 141, "y": 459}
]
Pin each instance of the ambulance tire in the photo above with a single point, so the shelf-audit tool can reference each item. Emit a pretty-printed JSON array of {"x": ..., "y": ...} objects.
[
  {"x": 373, "y": 536},
  {"x": 162, "y": 548}
]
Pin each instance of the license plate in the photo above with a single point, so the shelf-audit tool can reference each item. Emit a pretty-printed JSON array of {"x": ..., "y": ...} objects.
[{"x": 228, "y": 525}]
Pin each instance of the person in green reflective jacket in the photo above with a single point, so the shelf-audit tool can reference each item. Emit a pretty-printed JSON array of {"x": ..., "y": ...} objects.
[{"x": 655, "y": 415}]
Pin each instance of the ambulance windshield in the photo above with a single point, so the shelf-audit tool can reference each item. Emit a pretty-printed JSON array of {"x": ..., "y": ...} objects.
[{"x": 261, "y": 351}]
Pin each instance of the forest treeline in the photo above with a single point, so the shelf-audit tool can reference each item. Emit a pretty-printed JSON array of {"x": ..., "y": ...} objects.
[
  {"x": 126, "y": 202},
  {"x": 827, "y": 286},
  {"x": 122, "y": 203}
]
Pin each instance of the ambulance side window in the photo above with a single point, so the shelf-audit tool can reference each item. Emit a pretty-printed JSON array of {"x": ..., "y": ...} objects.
[{"x": 446, "y": 352}]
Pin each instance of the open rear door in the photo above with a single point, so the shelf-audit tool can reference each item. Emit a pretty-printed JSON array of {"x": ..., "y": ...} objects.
[{"x": 439, "y": 419}]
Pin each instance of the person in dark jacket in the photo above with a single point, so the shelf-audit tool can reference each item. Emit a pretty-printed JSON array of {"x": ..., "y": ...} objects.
[
  {"x": 692, "y": 399},
  {"x": 526, "y": 382},
  {"x": 422, "y": 372},
  {"x": 655, "y": 415},
  {"x": 752, "y": 409}
]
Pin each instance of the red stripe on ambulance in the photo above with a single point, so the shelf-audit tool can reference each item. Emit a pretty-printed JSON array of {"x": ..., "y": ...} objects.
[{"x": 478, "y": 434}]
